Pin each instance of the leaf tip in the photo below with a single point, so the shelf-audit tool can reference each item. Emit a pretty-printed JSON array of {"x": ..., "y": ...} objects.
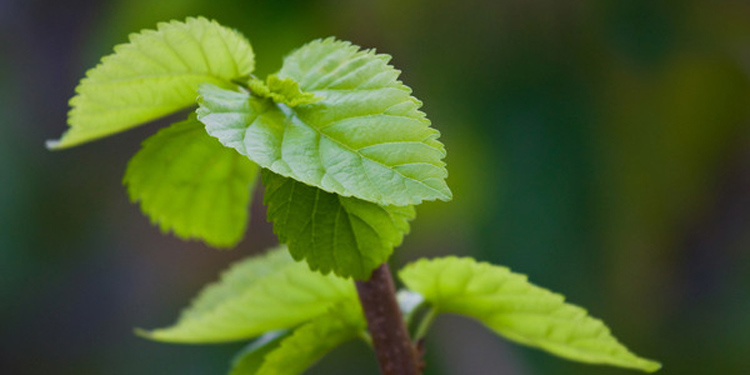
[
  {"x": 143, "y": 333},
  {"x": 53, "y": 144},
  {"x": 447, "y": 195},
  {"x": 651, "y": 366}
]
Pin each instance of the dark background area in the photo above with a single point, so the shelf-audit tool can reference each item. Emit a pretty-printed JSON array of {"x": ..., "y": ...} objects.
[{"x": 601, "y": 147}]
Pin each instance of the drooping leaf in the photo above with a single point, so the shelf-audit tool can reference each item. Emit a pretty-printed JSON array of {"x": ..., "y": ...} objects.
[
  {"x": 284, "y": 298},
  {"x": 189, "y": 183},
  {"x": 348, "y": 236},
  {"x": 312, "y": 340},
  {"x": 249, "y": 360},
  {"x": 518, "y": 310},
  {"x": 279, "y": 90},
  {"x": 155, "y": 74},
  {"x": 366, "y": 138}
]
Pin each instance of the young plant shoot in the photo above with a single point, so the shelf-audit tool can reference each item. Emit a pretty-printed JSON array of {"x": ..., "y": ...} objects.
[{"x": 344, "y": 155}]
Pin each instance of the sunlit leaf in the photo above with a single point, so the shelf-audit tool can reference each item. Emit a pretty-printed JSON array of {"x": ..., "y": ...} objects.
[
  {"x": 155, "y": 74},
  {"x": 236, "y": 279},
  {"x": 518, "y": 310},
  {"x": 366, "y": 138},
  {"x": 189, "y": 183},
  {"x": 285, "y": 297},
  {"x": 348, "y": 236}
]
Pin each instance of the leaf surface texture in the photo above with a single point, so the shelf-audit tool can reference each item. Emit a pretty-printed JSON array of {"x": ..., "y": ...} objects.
[
  {"x": 189, "y": 183},
  {"x": 518, "y": 310},
  {"x": 288, "y": 295},
  {"x": 155, "y": 74},
  {"x": 346, "y": 235},
  {"x": 364, "y": 138}
]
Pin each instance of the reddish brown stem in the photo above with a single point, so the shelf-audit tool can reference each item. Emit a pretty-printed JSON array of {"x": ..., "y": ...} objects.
[{"x": 393, "y": 347}]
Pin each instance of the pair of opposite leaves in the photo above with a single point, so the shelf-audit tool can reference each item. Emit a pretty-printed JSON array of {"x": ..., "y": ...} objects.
[
  {"x": 300, "y": 314},
  {"x": 343, "y": 150}
]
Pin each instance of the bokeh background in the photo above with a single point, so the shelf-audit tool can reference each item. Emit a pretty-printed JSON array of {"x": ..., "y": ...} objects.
[{"x": 601, "y": 147}]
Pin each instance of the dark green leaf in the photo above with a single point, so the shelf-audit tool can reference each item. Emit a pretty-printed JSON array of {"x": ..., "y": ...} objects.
[{"x": 348, "y": 236}]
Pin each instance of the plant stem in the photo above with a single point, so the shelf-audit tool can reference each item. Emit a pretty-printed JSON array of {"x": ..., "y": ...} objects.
[
  {"x": 393, "y": 347},
  {"x": 424, "y": 324}
]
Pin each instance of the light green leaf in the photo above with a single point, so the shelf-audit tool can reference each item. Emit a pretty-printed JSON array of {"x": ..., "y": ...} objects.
[
  {"x": 285, "y": 297},
  {"x": 348, "y": 236},
  {"x": 191, "y": 184},
  {"x": 156, "y": 74},
  {"x": 311, "y": 341},
  {"x": 366, "y": 138},
  {"x": 236, "y": 279},
  {"x": 280, "y": 90},
  {"x": 511, "y": 306},
  {"x": 249, "y": 360}
]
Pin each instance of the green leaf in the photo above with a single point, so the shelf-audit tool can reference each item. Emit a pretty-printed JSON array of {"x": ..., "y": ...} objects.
[
  {"x": 156, "y": 74},
  {"x": 235, "y": 280},
  {"x": 348, "y": 236},
  {"x": 284, "y": 297},
  {"x": 280, "y": 90},
  {"x": 366, "y": 138},
  {"x": 191, "y": 184},
  {"x": 250, "y": 359},
  {"x": 311, "y": 341},
  {"x": 511, "y": 306}
]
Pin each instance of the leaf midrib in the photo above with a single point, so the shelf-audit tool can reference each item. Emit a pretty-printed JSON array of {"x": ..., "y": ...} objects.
[{"x": 290, "y": 113}]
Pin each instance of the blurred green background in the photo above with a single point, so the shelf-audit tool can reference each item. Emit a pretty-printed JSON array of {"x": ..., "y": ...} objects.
[{"x": 601, "y": 147}]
